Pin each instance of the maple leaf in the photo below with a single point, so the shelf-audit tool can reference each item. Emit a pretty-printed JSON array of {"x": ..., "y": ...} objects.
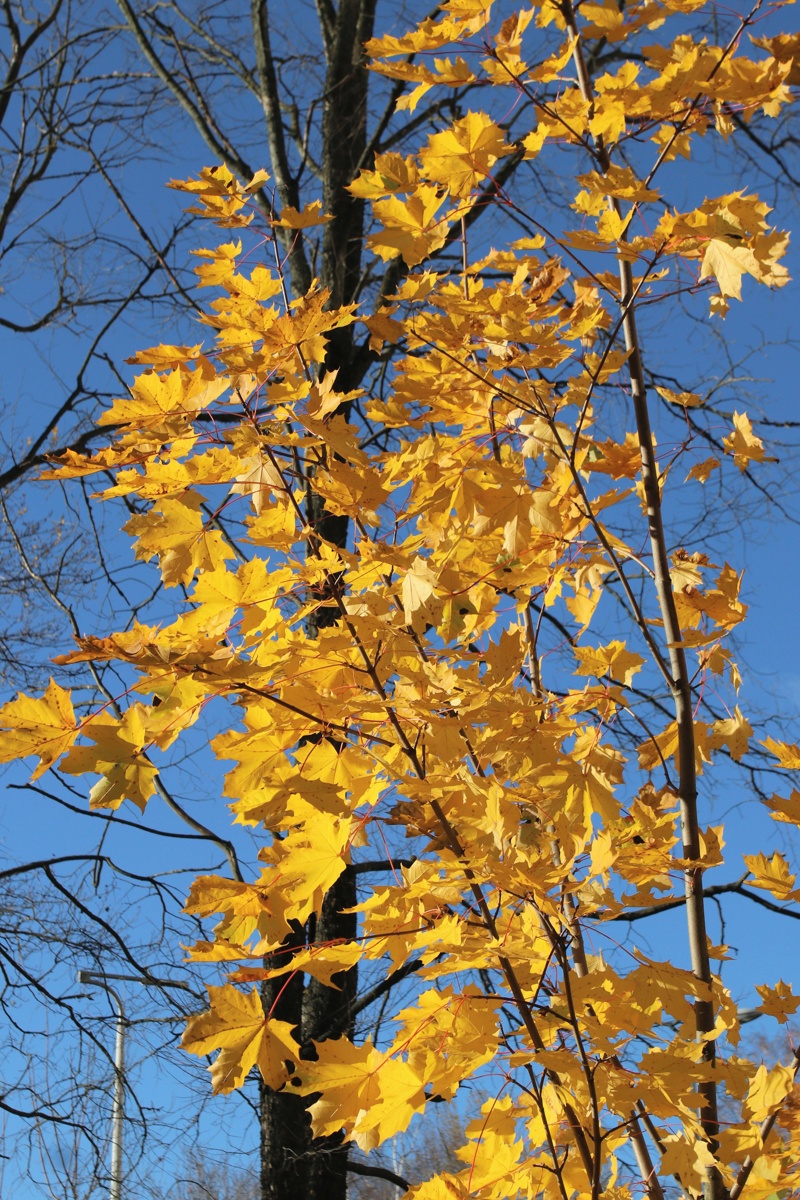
[
  {"x": 441, "y": 1187},
  {"x": 727, "y": 262},
  {"x": 419, "y": 584},
  {"x": 743, "y": 443},
  {"x": 410, "y": 228},
  {"x": 118, "y": 756},
  {"x": 687, "y": 1157},
  {"x": 703, "y": 470},
  {"x": 461, "y": 157},
  {"x": 176, "y": 393},
  {"x": 685, "y": 399},
  {"x": 259, "y": 480},
  {"x": 787, "y": 811},
  {"x": 221, "y": 195},
  {"x": 45, "y": 727},
  {"x": 311, "y": 860},
  {"x": 787, "y": 753},
  {"x": 734, "y": 732},
  {"x": 768, "y": 1090},
  {"x": 322, "y": 962},
  {"x": 246, "y": 908},
  {"x": 165, "y": 357},
  {"x": 175, "y": 532},
  {"x": 773, "y": 875},
  {"x": 786, "y": 49},
  {"x": 311, "y": 216},
  {"x": 304, "y": 328},
  {"x": 614, "y": 660},
  {"x": 448, "y": 1036},
  {"x": 619, "y": 460},
  {"x": 604, "y": 16},
  {"x": 369, "y": 1094},
  {"x": 236, "y": 1026},
  {"x": 324, "y": 400},
  {"x": 778, "y": 1002}
]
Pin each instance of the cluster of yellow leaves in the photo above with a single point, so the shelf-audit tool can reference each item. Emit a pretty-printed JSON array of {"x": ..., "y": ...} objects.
[{"x": 497, "y": 509}]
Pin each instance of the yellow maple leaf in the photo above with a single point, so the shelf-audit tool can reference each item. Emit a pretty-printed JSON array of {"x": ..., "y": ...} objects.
[
  {"x": 45, "y": 726},
  {"x": 461, "y": 157},
  {"x": 177, "y": 393},
  {"x": 259, "y": 480},
  {"x": 393, "y": 173},
  {"x": 175, "y": 532},
  {"x": 246, "y": 908},
  {"x": 323, "y": 399},
  {"x": 604, "y": 15},
  {"x": 771, "y": 874},
  {"x": 323, "y": 962},
  {"x": 657, "y": 749},
  {"x": 311, "y": 215},
  {"x": 237, "y": 1026},
  {"x": 702, "y": 470},
  {"x": 743, "y": 444},
  {"x": 727, "y": 262},
  {"x": 685, "y": 399},
  {"x": 369, "y": 1094},
  {"x": 687, "y": 1157},
  {"x": 785, "y": 810},
  {"x": 221, "y": 195},
  {"x": 311, "y": 859},
  {"x": 768, "y": 1090},
  {"x": 448, "y": 1035},
  {"x": 347, "y": 1077},
  {"x": 614, "y": 659},
  {"x": 787, "y": 753},
  {"x": 778, "y": 1002},
  {"x": 419, "y": 584},
  {"x": 305, "y": 327},
  {"x": 411, "y": 228},
  {"x": 734, "y": 732},
  {"x": 118, "y": 755},
  {"x": 165, "y": 357},
  {"x": 441, "y": 1187},
  {"x": 618, "y": 459},
  {"x": 785, "y": 48}
]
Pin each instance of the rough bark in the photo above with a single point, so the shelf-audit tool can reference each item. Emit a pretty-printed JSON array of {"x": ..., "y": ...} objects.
[{"x": 293, "y": 1165}]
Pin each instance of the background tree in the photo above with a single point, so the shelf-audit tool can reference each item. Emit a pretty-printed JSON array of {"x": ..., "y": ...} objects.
[{"x": 58, "y": 1054}]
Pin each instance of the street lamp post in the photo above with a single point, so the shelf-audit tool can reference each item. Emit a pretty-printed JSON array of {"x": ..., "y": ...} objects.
[{"x": 118, "y": 1101}]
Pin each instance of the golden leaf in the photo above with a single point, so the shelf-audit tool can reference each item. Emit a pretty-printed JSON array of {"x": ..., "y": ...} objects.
[
  {"x": 236, "y": 1026},
  {"x": 45, "y": 727}
]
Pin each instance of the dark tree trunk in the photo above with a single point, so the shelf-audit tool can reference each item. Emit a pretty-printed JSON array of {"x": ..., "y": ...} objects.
[
  {"x": 293, "y": 1165},
  {"x": 285, "y": 1130}
]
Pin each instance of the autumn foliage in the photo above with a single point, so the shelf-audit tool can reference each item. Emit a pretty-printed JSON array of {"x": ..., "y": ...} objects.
[{"x": 503, "y": 490}]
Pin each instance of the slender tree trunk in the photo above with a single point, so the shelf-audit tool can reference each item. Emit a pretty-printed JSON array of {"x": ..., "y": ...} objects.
[
  {"x": 293, "y": 1165},
  {"x": 284, "y": 1125}
]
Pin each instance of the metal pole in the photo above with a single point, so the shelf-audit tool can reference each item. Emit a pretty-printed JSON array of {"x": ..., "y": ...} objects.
[
  {"x": 118, "y": 1104},
  {"x": 118, "y": 1101}
]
